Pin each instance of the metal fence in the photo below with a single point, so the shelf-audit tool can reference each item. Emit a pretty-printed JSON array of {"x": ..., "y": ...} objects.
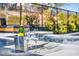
[
  {"x": 64, "y": 21},
  {"x": 47, "y": 18}
]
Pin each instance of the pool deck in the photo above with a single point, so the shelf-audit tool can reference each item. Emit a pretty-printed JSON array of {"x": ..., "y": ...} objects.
[
  {"x": 53, "y": 49},
  {"x": 4, "y": 36},
  {"x": 50, "y": 49}
]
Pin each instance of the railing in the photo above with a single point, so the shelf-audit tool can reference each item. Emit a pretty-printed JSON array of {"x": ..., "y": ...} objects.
[
  {"x": 56, "y": 27},
  {"x": 68, "y": 14}
]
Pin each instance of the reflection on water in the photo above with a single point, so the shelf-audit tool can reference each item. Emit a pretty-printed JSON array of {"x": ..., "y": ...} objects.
[
  {"x": 5, "y": 42},
  {"x": 71, "y": 39}
]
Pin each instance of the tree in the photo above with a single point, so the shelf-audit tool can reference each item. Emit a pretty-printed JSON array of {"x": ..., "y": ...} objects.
[
  {"x": 77, "y": 22},
  {"x": 48, "y": 19},
  {"x": 50, "y": 24},
  {"x": 62, "y": 22},
  {"x": 71, "y": 22}
]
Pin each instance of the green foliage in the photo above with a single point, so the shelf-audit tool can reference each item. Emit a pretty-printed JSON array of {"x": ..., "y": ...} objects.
[
  {"x": 77, "y": 21},
  {"x": 72, "y": 20},
  {"x": 28, "y": 19},
  {"x": 50, "y": 23},
  {"x": 49, "y": 20},
  {"x": 62, "y": 18},
  {"x": 62, "y": 22}
]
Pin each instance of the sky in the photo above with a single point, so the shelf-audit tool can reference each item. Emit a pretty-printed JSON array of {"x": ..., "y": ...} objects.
[
  {"x": 10, "y": 1},
  {"x": 39, "y": 1},
  {"x": 71, "y": 7},
  {"x": 68, "y": 6}
]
